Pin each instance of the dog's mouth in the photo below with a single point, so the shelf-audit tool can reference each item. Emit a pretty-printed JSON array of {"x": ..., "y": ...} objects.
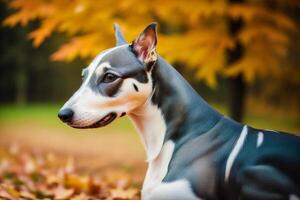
[{"x": 102, "y": 122}]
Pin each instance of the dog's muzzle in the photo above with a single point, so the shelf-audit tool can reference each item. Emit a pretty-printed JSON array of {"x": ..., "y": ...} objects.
[{"x": 66, "y": 115}]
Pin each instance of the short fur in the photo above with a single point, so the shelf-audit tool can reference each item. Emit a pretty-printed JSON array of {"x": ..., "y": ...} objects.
[{"x": 193, "y": 151}]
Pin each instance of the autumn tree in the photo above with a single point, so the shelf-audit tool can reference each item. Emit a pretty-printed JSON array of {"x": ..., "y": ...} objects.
[{"x": 242, "y": 40}]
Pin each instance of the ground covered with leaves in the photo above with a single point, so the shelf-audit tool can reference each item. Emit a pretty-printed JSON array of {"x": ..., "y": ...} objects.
[{"x": 28, "y": 175}]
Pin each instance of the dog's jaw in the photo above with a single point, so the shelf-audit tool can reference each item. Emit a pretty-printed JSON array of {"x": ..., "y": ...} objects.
[{"x": 109, "y": 118}]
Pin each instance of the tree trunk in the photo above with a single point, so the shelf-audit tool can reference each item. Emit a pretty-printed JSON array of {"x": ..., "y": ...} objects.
[
  {"x": 21, "y": 86},
  {"x": 237, "y": 91},
  {"x": 236, "y": 85}
]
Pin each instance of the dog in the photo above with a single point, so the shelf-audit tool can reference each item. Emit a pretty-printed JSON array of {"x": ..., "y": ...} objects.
[{"x": 193, "y": 151}]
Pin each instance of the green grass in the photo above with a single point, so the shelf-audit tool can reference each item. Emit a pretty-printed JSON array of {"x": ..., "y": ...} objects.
[
  {"x": 41, "y": 112},
  {"x": 47, "y": 114}
]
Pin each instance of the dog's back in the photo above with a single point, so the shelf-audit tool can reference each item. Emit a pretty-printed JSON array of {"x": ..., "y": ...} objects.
[
  {"x": 232, "y": 161},
  {"x": 267, "y": 167}
]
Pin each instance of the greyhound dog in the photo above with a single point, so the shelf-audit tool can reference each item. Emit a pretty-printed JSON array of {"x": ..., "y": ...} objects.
[{"x": 193, "y": 151}]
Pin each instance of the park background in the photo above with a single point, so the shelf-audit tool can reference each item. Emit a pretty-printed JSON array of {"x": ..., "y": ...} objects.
[{"x": 242, "y": 56}]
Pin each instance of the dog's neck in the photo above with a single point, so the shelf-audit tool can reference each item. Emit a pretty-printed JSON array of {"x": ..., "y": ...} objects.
[{"x": 176, "y": 112}]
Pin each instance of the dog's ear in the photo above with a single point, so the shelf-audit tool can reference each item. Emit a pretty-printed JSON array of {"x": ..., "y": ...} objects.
[
  {"x": 120, "y": 39},
  {"x": 144, "y": 45}
]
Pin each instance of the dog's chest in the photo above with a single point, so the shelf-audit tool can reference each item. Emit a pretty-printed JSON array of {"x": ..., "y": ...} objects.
[
  {"x": 154, "y": 188},
  {"x": 158, "y": 168},
  {"x": 152, "y": 128}
]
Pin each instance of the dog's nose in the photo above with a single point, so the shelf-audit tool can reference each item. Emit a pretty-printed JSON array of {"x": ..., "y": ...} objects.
[{"x": 66, "y": 115}]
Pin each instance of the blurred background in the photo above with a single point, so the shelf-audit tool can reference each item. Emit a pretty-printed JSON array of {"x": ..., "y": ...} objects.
[{"x": 242, "y": 56}]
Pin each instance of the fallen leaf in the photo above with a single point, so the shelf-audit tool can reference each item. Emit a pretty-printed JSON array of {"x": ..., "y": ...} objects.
[
  {"x": 119, "y": 193},
  {"x": 63, "y": 193}
]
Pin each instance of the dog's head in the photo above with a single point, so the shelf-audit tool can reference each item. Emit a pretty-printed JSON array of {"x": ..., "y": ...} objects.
[{"x": 116, "y": 82}]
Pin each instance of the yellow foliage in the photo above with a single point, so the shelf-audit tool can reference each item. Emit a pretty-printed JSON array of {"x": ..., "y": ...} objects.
[
  {"x": 45, "y": 30},
  {"x": 193, "y": 32}
]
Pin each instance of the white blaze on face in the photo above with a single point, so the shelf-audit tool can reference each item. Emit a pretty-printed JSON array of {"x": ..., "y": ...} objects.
[{"x": 89, "y": 106}]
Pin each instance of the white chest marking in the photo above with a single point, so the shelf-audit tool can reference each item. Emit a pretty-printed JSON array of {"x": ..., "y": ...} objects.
[
  {"x": 235, "y": 152},
  {"x": 158, "y": 168},
  {"x": 151, "y": 125},
  {"x": 260, "y": 139}
]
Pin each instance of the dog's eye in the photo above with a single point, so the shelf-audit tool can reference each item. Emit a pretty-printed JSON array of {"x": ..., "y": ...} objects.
[{"x": 109, "y": 77}]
